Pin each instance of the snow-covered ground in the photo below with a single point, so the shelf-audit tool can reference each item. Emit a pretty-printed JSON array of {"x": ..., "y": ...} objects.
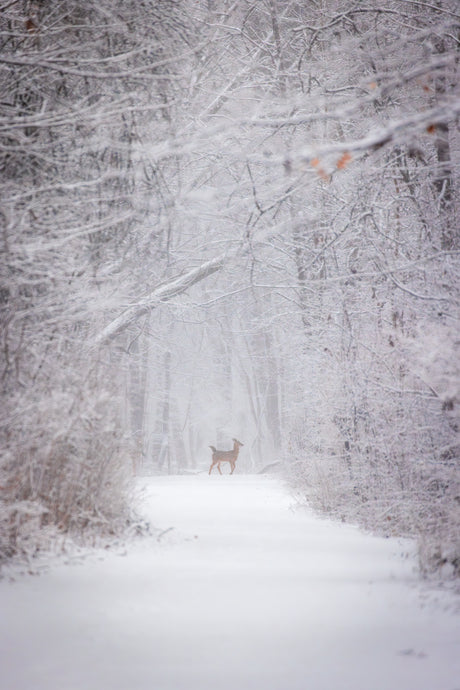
[{"x": 244, "y": 592}]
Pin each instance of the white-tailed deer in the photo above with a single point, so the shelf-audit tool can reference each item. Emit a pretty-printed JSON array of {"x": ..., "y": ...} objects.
[{"x": 230, "y": 456}]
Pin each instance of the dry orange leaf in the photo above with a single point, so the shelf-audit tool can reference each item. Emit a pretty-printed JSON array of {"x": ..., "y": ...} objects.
[
  {"x": 31, "y": 26},
  {"x": 323, "y": 174},
  {"x": 373, "y": 85},
  {"x": 315, "y": 163},
  {"x": 343, "y": 161},
  {"x": 431, "y": 129}
]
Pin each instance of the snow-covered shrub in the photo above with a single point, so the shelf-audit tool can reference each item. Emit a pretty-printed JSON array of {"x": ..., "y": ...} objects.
[
  {"x": 65, "y": 466},
  {"x": 392, "y": 465}
]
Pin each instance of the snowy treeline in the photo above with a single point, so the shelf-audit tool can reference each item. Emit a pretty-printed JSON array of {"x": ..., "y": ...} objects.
[
  {"x": 80, "y": 82},
  {"x": 230, "y": 219}
]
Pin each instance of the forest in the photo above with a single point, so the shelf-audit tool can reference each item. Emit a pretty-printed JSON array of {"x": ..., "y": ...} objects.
[{"x": 230, "y": 218}]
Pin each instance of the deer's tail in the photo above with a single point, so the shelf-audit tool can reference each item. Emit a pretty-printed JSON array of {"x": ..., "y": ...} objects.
[{"x": 214, "y": 450}]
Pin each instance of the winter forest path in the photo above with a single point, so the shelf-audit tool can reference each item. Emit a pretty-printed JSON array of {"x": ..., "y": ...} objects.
[{"x": 244, "y": 593}]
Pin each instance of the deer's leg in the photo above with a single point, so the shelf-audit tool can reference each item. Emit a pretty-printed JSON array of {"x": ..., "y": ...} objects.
[
  {"x": 218, "y": 467},
  {"x": 233, "y": 467},
  {"x": 212, "y": 465}
]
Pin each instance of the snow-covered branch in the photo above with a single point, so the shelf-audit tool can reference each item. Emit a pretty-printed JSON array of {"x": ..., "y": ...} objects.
[
  {"x": 162, "y": 293},
  {"x": 414, "y": 123}
]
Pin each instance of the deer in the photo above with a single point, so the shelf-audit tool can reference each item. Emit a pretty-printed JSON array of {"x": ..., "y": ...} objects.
[{"x": 230, "y": 456}]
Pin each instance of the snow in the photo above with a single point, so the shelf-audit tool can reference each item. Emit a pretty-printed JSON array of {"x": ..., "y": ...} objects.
[{"x": 241, "y": 589}]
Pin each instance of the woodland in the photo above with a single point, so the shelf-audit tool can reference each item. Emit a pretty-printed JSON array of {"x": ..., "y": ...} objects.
[{"x": 230, "y": 219}]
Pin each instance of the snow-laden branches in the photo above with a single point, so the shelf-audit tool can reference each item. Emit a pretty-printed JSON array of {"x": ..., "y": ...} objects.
[
  {"x": 162, "y": 293},
  {"x": 78, "y": 83},
  {"x": 393, "y": 132}
]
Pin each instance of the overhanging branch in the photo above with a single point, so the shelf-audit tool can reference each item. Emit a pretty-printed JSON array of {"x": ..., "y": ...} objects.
[
  {"x": 395, "y": 131},
  {"x": 160, "y": 294}
]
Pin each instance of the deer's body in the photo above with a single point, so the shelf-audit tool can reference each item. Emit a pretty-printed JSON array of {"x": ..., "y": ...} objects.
[{"x": 230, "y": 456}]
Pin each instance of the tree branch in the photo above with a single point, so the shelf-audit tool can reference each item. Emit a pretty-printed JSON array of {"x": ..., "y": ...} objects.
[{"x": 162, "y": 293}]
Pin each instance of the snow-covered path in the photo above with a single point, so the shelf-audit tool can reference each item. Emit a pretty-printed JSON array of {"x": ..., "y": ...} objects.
[{"x": 244, "y": 593}]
